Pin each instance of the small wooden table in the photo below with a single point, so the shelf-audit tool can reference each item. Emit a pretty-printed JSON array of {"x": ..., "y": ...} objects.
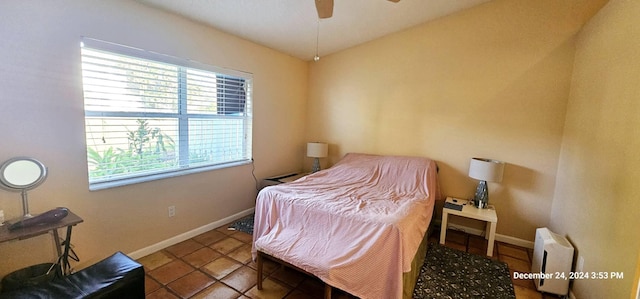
[
  {"x": 29, "y": 232},
  {"x": 468, "y": 210}
]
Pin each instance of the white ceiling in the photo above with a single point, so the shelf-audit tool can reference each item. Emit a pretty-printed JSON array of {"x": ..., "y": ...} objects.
[{"x": 290, "y": 26}]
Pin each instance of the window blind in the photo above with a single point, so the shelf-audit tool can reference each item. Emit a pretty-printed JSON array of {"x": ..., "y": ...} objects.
[{"x": 146, "y": 116}]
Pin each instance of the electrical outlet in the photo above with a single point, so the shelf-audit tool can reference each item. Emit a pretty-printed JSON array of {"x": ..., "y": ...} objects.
[
  {"x": 172, "y": 211},
  {"x": 580, "y": 265}
]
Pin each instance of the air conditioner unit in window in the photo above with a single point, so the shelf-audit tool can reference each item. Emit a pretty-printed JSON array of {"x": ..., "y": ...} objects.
[{"x": 552, "y": 259}]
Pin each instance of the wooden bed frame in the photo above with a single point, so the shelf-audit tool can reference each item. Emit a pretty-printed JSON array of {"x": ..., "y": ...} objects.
[{"x": 260, "y": 261}]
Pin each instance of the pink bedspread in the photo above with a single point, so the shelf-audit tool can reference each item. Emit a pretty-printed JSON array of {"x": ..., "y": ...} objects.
[{"x": 356, "y": 225}]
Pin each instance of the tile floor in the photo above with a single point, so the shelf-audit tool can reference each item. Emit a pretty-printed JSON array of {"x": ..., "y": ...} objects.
[{"x": 218, "y": 264}]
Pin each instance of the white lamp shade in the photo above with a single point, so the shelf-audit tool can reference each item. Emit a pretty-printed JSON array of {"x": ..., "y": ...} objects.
[
  {"x": 317, "y": 149},
  {"x": 486, "y": 169}
]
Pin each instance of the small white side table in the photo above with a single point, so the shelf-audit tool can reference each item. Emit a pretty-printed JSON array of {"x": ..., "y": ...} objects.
[{"x": 468, "y": 210}]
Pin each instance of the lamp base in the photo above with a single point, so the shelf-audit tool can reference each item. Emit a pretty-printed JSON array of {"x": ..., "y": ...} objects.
[
  {"x": 481, "y": 198},
  {"x": 316, "y": 165}
]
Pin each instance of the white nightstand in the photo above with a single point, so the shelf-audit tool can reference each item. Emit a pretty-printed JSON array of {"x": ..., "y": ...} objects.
[{"x": 468, "y": 210}]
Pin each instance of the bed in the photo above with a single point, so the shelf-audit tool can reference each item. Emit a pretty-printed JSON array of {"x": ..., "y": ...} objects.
[{"x": 359, "y": 226}]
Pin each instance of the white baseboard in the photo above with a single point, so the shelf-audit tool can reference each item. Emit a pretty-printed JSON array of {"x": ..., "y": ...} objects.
[
  {"x": 499, "y": 237},
  {"x": 187, "y": 235},
  {"x": 514, "y": 241}
]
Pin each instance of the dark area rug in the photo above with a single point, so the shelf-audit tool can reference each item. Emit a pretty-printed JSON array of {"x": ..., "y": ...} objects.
[
  {"x": 450, "y": 273},
  {"x": 447, "y": 273},
  {"x": 244, "y": 224}
]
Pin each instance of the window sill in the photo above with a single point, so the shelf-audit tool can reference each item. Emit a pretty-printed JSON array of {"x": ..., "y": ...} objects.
[{"x": 159, "y": 176}]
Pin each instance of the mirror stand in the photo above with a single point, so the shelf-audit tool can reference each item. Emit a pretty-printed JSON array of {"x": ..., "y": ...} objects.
[{"x": 25, "y": 205}]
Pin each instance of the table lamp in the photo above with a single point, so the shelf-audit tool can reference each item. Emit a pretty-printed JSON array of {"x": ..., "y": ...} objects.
[
  {"x": 317, "y": 150},
  {"x": 484, "y": 170}
]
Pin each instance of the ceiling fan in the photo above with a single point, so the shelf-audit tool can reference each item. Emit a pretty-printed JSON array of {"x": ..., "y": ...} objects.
[{"x": 325, "y": 8}]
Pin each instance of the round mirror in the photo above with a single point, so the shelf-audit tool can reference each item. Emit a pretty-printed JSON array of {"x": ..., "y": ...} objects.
[{"x": 22, "y": 173}]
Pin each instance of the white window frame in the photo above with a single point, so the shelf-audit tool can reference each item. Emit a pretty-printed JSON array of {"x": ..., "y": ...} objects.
[{"x": 182, "y": 117}]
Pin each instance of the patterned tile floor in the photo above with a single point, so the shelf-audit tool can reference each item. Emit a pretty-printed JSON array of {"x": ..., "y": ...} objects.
[{"x": 218, "y": 264}]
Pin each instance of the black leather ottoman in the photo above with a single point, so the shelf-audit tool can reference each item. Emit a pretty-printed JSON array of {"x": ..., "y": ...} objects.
[{"x": 117, "y": 276}]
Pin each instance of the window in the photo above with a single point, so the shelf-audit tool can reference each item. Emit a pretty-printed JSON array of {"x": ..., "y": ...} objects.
[{"x": 151, "y": 116}]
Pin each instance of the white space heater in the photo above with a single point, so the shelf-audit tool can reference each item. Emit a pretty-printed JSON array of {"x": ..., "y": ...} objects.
[{"x": 552, "y": 259}]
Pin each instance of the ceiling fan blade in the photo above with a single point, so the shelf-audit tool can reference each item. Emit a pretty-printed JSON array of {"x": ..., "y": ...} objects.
[{"x": 324, "y": 8}]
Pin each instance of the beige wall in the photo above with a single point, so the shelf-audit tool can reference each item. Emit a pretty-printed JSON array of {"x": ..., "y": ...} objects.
[
  {"x": 635, "y": 290},
  {"x": 41, "y": 115},
  {"x": 491, "y": 82},
  {"x": 597, "y": 195}
]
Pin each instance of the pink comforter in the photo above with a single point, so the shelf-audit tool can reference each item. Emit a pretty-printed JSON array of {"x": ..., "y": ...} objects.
[{"x": 356, "y": 225}]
